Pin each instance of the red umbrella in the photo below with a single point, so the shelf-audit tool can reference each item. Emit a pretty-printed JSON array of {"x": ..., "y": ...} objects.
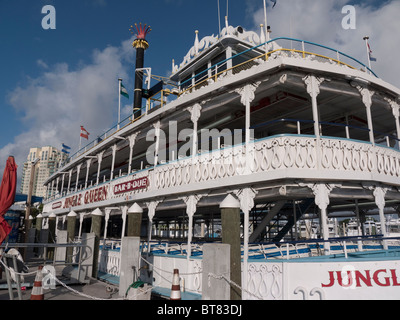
[{"x": 7, "y": 195}]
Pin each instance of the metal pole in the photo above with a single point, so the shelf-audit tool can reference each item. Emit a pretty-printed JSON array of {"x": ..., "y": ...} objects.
[
  {"x": 119, "y": 102},
  {"x": 265, "y": 21},
  {"x": 369, "y": 60}
]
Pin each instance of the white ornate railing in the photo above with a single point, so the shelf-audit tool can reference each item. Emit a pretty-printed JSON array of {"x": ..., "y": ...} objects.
[
  {"x": 286, "y": 156},
  {"x": 328, "y": 156}
]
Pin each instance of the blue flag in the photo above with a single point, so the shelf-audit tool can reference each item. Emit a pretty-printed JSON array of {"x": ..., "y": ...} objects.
[
  {"x": 65, "y": 149},
  {"x": 371, "y": 58}
]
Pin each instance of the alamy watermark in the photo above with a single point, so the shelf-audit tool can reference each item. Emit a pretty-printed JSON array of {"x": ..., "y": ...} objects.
[
  {"x": 172, "y": 145},
  {"x": 49, "y": 20},
  {"x": 349, "y": 21}
]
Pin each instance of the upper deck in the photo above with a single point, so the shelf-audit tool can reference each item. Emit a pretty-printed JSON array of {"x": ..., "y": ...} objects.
[{"x": 212, "y": 77}]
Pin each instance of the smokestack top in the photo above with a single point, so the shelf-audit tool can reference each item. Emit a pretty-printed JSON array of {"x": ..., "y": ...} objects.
[{"x": 141, "y": 33}]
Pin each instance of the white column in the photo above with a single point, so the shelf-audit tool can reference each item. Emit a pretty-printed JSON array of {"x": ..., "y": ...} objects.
[
  {"x": 379, "y": 194},
  {"x": 313, "y": 88},
  {"x": 246, "y": 198},
  {"x": 107, "y": 217},
  {"x": 52, "y": 188},
  {"x": 367, "y": 100},
  {"x": 88, "y": 163},
  {"x": 247, "y": 94},
  {"x": 99, "y": 160},
  {"x": 69, "y": 180},
  {"x": 321, "y": 192},
  {"x": 195, "y": 113},
  {"x": 157, "y": 147},
  {"x": 57, "y": 182},
  {"x": 191, "y": 204},
  {"x": 132, "y": 141},
  {"x": 78, "y": 171},
  {"x": 57, "y": 218},
  {"x": 229, "y": 63},
  {"x": 151, "y": 213},
  {"x": 62, "y": 184},
  {"x": 395, "y": 110},
  {"x": 124, "y": 210},
  {"x": 114, "y": 150},
  {"x": 81, "y": 217}
]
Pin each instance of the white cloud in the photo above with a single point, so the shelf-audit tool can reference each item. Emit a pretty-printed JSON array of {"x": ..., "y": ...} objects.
[
  {"x": 55, "y": 104},
  {"x": 42, "y": 64},
  {"x": 321, "y": 22}
]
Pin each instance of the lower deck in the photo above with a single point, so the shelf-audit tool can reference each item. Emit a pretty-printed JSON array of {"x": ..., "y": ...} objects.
[{"x": 292, "y": 270}]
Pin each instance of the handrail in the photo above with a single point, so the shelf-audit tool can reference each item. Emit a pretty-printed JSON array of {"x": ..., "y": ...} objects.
[
  {"x": 264, "y": 124},
  {"x": 268, "y": 53},
  {"x": 132, "y": 118}
]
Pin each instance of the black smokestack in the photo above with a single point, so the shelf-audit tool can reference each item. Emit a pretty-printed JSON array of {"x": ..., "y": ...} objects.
[{"x": 140, "y": 44}]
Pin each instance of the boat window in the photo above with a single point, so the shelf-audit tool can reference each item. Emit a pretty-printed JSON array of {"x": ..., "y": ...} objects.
[
  {"x": 201, "y": 74},
  {"x": 185, "y": 83},
  {"x": 240, "y": 60},
  {"x": 220, "y": 67}
]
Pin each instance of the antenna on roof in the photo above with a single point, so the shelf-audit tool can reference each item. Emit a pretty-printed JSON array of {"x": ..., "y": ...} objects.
[
  {"x": 219, "y": 18},
  {"x": 265, "y": 22}
]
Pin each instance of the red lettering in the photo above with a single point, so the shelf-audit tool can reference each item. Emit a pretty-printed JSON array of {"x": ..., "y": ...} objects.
[
  {"x": 105, "y": 192},
  {"x": 331, "y": 280},
  {"x": 378, "y": 282},
  {"x": 349, "y": 279},
  {"x": 86, "y": 199},
  {"x": 394, "y": 277},
  {"x": 366, "y": 279}
]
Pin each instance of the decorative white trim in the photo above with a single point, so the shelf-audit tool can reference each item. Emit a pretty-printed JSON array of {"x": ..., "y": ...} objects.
[{"x": 247, "y": 93}]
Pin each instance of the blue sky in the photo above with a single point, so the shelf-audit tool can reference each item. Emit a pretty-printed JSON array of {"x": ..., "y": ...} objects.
[
  {"x": 53, "y": 81},
  {"x": 84, "y": 26}
]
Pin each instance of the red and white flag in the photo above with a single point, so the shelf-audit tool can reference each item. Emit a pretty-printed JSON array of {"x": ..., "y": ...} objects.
[{"x": 84, "y": 133}]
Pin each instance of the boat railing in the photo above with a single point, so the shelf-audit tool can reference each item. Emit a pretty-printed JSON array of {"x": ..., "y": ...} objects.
[
  {"x": 300, "y": 127},
  {"x": 159, "y": 97},
  {"x": 303, "y": 126},
  {"x": 286, "y": 250},
  {"x": 292, "y": 47},
  {"x": 99, "y": 139}
]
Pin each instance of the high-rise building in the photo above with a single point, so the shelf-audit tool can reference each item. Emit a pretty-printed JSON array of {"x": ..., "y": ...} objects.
[{"x": 49, "y": 161}]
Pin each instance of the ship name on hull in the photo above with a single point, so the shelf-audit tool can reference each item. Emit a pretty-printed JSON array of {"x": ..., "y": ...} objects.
[
  {"x": 368, "y": 278},
  {"x": 90, "y": 196}
]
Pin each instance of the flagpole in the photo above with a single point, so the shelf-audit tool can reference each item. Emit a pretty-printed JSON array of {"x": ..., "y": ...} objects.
[
  {"x": 265, "y": 21},
  {"x": 119, "y": 102},
  {"x": 80, "y": 140},
  {"x": 366, "y": 44}
]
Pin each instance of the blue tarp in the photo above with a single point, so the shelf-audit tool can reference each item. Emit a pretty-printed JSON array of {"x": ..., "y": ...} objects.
[{"x": 24, "y": 197}]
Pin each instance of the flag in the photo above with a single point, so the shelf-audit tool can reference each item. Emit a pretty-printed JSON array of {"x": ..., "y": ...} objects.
[
  {"x": 274, "y": 1},
  {"x": 124, "y": 92},
  {"x": 84, "y": 133},
  {"x": 65, "y": 149},
  {"x": 371, "y": 58}
]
